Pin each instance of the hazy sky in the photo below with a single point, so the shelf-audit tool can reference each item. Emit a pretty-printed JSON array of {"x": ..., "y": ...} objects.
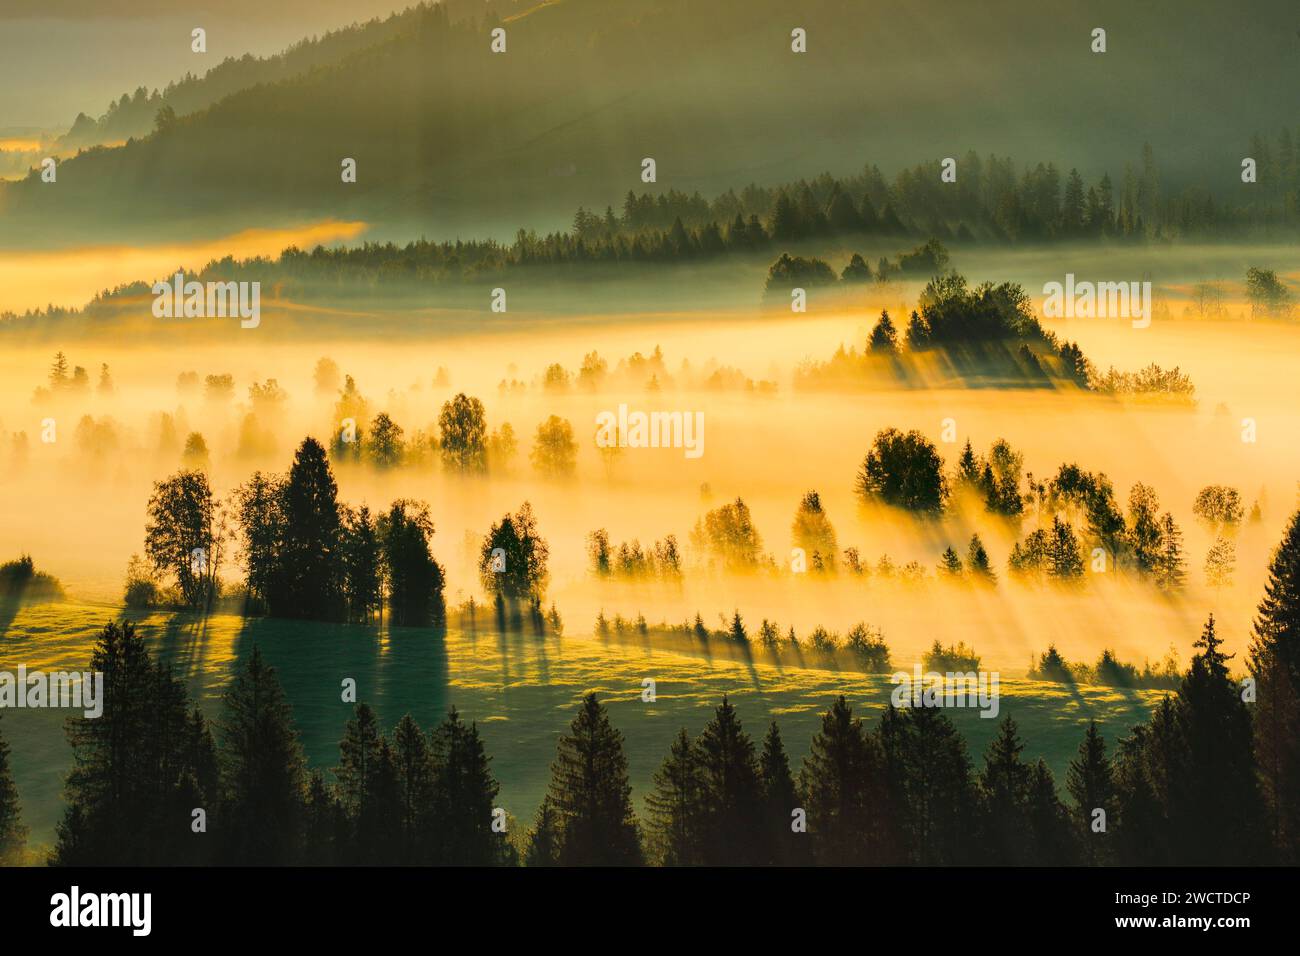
[{"x": 61, "y": 57}]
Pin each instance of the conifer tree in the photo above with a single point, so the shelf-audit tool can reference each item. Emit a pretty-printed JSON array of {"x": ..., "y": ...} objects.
[
  {"x": 413, "y": 762},
  {"x": 1221, "y": 813},
  {"x": 544, "y": 841},
  {"x": 137, "y": 772},
  {"x": 309, "y": 582},
  {"x": 780, "y": 844},
  {"x": 884, "y": 337},
  {"x": 325, "y": 827},
  {"x": 842, "y": 778},
  {"x": 464, "y": 795},
  {"x": 1049, "y": 820},
  {"x": 1275, "y": 664},
  {"x": 730, "y": 784},
  {"x": 592, "y": 797},
  {"x": 977, "y": 559},
  {"x": 676, "y": 828},
  {"x": 1091, "y": 783},
  {"x": 931, "y": 793},
  {"x": 262, "y": 768},
  {"x": 1004, "y": 784},
  {"x": 13, "y": 835}
]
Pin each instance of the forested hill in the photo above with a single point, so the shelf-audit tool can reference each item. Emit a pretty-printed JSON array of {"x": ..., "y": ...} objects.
[{"x": 450, "y": 137}]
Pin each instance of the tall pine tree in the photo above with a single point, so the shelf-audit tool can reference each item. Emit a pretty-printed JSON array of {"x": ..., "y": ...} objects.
[{"x": 592, "y": 797}]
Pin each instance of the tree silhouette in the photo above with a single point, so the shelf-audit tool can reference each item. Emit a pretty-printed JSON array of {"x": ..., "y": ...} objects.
[
  {"x": 1091, "y": 783},
  {"x": 841, "y": 778},
  {"x": 676, "y": 806},
  {"x": 309, "y": 582},
  {"x": 592, "y": 798},
  {"x": 1275, "y": 665},
  {"x": 263, "y": 770},
  {"x": 13, "y": 835}
]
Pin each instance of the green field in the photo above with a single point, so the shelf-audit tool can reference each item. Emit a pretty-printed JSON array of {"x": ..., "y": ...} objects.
[{"x": 521, "y": 689}]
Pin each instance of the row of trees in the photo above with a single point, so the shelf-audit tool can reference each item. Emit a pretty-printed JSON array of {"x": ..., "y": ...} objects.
[
  {"x": 990, "y": 199},
  {"x": 462, "y": 442}
]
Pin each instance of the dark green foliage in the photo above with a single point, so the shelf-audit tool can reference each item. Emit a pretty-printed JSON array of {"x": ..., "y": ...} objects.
[
  {"x": 904, "y": 471},
  {"x": 263, "y": 769},
  {"x": 1275, "y": 664},
  {"x": 512, "y": 560},
  {"x": 308, "y": 578},
  {"x": 415, "y": 579},
  {"x": 139, "y": 769},
  {"x": 1091, "y": 782},
  {"x": 13, "y": 835},
  {"x": 930, "y": 789},
  {"x": 843, "y": 779},
  {"x": 592, "y": 798},
  {"x": 676, "y": 807}
]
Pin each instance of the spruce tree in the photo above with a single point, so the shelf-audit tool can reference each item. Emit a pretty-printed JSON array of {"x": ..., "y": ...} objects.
[
  {"x": 1004, "y": 786},
  {"x": 780, "y": 845},
  {"x": 137, "y": 773},
  {"x": 592, "y": 797},
  {"x": 1275, "y": 664},
  {"x": 413, "y": 761},
  {"x": 1091, "y": 783},
  {"x": 730, "y": 782},
  {"x": 1049, "y": 820},
  {"x": 931, "y": 792},
  {"x": 309, "y": 581},
  {"x": 544, "y": 841},
  {"x": 464, "y": 796},
  {"x": 1221, "y": 812},
  {"x": 325, "y": 827},
  {"x": 13, "y": 835},
  {"x": 358, "y": 778},
  {"x": 676, "y": 828},
  {"x": 842, "y": 778},
  {"x": 262, "y": 768}
]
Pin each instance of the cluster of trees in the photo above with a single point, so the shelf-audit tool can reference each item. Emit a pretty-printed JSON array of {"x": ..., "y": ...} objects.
[
  {"x": 74, "y": 380},
  {"x": 462, "y": 441},
  {"x": 155, "y": 783},
  {"x": 1077, "y": 512},
  {"x": 20, "y": 581},
  {"x": 789, "y": 272},
  {"x": 1109, "y": 671},
  {"x": 305, "y": 553},
  {"x": 661, "y": 560}
]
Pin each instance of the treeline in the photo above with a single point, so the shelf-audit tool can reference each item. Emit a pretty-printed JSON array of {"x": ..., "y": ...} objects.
[
  {"x": 990, "y": 199},
  {"x": 1195, "y": 784},
  {"x": 863, "y": 648},
  {"x": 1109, "y": 671}
]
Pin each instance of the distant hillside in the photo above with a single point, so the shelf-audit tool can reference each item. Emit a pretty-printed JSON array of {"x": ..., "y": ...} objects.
[
  {"x": 134, "y": 114},
  {"x": 450, "y": 138}
]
